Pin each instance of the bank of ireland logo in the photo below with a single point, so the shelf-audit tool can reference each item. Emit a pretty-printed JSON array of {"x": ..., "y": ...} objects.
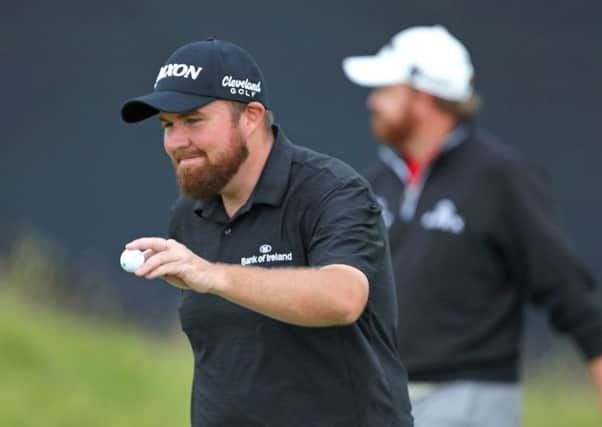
[
  {"x": 265, "y": 249},
  {"x": 266, "y": 256}
]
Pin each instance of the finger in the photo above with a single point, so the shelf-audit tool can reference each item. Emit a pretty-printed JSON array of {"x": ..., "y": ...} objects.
[
  {"x": 156, "y": 244},
  {"x": 157, "y": 260},
  {"x": 175, "y": 281},
  {"x": 149, "y": 253},
  {"x": 166, "y": 269}
]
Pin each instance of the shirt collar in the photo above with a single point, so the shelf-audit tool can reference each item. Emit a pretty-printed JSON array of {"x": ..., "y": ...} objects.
[
  {"x": 397, "y": 164},
  {"x": 273, "y": 182},
  {"x": 271, "y": 186}
]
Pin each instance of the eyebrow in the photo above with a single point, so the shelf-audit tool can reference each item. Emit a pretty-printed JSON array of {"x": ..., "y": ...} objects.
[{"x": 181, "y": 115}]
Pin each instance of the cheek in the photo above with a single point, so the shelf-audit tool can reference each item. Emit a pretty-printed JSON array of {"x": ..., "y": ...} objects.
[
  {"x": 169, "y": 150},
  {"x": 214, "y": 144},
  {"x": 383, "y": 105},
  {"x": 384, "y": 114},
  {"x": 397, "y": 110},
  {"x": 210, "y": 135}
]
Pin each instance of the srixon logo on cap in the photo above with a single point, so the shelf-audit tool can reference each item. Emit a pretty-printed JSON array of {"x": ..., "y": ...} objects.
[
  {"x": 178, "y": 70},
  {"x": 241, "y": 87}
]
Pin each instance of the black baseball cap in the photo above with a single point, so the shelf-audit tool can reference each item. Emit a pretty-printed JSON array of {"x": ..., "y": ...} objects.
[{"x": 197, "y": 74}]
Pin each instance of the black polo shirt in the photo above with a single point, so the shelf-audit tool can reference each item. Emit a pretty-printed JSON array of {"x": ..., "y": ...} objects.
[{"x": 307, "y": 209}]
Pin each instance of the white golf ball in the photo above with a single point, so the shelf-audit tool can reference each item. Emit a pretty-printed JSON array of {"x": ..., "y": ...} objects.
[{"x": 131, "y": 260}]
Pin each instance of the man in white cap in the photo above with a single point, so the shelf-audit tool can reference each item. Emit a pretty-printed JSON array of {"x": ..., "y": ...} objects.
[{"x": 473, "y": 237}]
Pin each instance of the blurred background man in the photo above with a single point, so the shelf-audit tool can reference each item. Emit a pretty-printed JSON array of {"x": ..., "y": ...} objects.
[{"x": 473, "y": 236}]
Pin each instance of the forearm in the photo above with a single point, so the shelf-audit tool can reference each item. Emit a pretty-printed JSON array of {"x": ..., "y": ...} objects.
[
  {"x": 328, "y": 296},
  {"x": 595, "y": 367}
]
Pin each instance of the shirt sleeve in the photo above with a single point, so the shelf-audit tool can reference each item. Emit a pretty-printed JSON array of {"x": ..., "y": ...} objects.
[
  {"x": 544, "y": 263},
  {"x": 345, "y": 227}
]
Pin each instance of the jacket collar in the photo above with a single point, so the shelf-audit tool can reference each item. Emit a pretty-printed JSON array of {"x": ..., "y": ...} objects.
[{"x": 396, "y": 163}]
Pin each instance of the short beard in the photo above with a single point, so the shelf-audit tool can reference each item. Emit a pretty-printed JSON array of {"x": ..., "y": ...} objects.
[
  {"x": 207, "y": 181},
  {"x": 398, "y": 132},
  {"x": 393, "y": 133}
]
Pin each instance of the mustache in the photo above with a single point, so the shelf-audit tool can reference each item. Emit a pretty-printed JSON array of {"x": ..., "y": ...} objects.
[{"x": 186, "y": 153}]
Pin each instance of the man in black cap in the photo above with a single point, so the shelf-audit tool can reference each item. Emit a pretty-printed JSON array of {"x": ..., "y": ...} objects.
[{"x": 288, "y": 297}]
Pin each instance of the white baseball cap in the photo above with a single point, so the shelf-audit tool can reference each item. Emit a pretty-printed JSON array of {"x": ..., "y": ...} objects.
[{"x": 429, "y": 59}]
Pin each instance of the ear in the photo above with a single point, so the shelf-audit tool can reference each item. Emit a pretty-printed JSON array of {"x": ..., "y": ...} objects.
[{"x": 252, "y": 118}]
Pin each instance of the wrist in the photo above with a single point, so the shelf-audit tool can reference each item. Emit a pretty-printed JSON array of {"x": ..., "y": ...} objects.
[{"x": 218, "y": 279}]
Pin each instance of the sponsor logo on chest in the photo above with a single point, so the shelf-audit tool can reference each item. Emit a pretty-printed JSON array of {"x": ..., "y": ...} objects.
[
  {"x": 443, "y": 217},
  {"x": 265, "y": 256}
]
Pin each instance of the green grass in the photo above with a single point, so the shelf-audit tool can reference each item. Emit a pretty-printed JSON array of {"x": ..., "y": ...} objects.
[
  {"x": 56, "y": 370},
  {"x": 559, "y": 393},
  {"x": 59, "y": 371}
]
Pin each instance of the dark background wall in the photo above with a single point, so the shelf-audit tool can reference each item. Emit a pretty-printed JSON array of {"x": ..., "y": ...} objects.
[{"x": 71, "y": 170}]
